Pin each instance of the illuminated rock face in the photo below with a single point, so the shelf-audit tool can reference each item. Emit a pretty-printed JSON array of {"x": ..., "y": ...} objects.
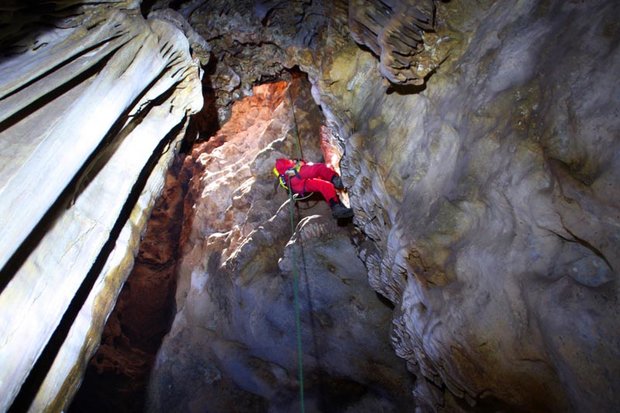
[
  {"x": 486, "y": 203},
  {"x": 232, "y": 346},
  {"x": 486, "y": 197},
  {"x": 491, "y": 206},
  {"x": 93, "y": 104}
]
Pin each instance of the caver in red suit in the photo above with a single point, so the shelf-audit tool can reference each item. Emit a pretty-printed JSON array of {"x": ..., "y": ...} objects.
[{"x": 306, "y": 177}]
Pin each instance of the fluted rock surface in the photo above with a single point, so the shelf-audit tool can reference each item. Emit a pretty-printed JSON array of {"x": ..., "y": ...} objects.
[
  {"x": 490, "y": 202},
  {"x": 93, "y": 103},
  {"x": 400, "y": 33}
]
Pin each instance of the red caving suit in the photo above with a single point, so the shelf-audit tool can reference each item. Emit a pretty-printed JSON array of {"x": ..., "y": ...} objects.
[{"x": 312, "y": 177}]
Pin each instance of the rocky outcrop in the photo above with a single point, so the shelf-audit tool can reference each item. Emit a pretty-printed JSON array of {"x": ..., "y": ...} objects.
[
  {"x": 232, "y": 346},
  {"x": 255, "y": 41},
  {"x": 489, "y": 205},
  {"x": 401, "y": 34},
  {"x": 486, "y": 195},
  {"x": 94, "y": 102}
]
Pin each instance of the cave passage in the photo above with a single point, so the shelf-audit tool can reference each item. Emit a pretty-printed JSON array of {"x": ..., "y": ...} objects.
[
  {"x": 117, "y": 378},
  {"x": 478, "y": 142}
]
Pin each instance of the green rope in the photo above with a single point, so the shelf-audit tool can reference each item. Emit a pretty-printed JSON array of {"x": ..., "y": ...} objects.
[
  {"x": 296, "y": 299},
  {"x": 295, "y": 273},
  {"x": 301, "y": 153}
]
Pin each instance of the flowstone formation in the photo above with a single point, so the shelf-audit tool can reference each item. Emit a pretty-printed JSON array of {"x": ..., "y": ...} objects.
[
  {"x": 94, "y": 102},
  {"x": 232, "y": 346},
  {"x": 397, "y": 31}
]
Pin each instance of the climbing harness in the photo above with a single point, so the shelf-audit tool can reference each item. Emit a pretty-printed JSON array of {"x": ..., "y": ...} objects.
[
  {"x": 297, "y": 306},
  {"x": 282, "y": 181},
  {"x": 282, "y": 177}
]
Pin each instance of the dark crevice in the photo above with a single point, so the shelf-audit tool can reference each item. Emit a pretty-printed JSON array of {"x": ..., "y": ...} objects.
[
  {"x": 584, "y": 244},
  {"x": 146, "y": 7},
  {"x": 386, "y": 301},
  {"x": 560, "y": 167},
  {"x": 117, "y": 376},
  {"x": 205, "y": 123}
]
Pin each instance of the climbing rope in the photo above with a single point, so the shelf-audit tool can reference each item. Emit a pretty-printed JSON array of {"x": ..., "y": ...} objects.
[
  {"x": 297, "y": 306},
  {"x": 290, "y": 98},
  {"x": 297, "y": 197}
]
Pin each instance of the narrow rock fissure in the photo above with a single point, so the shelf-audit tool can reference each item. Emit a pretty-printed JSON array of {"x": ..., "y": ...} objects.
[{"x": 117, "y": 375}]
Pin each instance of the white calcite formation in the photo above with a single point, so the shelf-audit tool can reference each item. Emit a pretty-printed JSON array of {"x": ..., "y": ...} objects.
[{"x": 93, "y": 104}]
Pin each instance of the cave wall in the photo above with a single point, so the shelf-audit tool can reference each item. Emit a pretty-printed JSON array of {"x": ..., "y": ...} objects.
[
  {"x": 490, "y": 205},
  {"x": 479, "y": 146},
  {"x": 232, "y": 345},
  {"x": 486, "y": 194},
  {"x": 94, "y": 102}
]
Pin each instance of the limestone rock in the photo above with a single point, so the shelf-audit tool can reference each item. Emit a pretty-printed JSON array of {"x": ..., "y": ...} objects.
[
  {"x": 488, "y": 203},
  {"x": 89, "y": 108},
  {"x": 253, "y": 41},
  {"x": 232, "y": 344},
  {"x": 396, "y": 31},
  {"x": 487, "y": 194}
]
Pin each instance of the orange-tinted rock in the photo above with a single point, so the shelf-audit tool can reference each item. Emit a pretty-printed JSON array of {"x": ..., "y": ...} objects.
[{"x": 232, "y": 344}]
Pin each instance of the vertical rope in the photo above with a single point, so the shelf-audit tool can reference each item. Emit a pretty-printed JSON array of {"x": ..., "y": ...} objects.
[
  {"x": 290, "y": 98},
  {"x": 300, "y": 366}
]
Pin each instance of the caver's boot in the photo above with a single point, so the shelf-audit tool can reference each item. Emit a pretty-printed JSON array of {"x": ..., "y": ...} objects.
[
  {"x": 339, "y": 211},
  {"x": 337, "y": 182}
]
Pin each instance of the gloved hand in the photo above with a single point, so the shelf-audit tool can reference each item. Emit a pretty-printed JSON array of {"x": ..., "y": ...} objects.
[{"x": 290, "y": 172}]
